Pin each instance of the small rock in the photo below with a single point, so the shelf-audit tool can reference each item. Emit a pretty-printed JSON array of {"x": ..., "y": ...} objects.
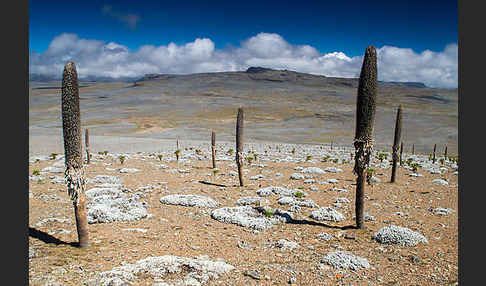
[{"x": 253, "y": 274}]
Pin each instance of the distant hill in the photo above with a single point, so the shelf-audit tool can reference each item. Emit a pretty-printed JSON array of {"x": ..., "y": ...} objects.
[{"x": 252, "y": 73}]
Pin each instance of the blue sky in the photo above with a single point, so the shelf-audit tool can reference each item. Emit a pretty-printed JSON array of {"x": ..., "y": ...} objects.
[{"x": 339, "y": 29}]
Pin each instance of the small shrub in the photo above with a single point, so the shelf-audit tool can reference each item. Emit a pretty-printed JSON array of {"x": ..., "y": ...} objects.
[
  {"x": 293, "y": 151},
  {"x": 122, "y": 159},
  {"x": 336, "y": 160},
  {"x": 160, "y": 157},
  {"x": 230, "y": 152},
  {"x": 198, "y": 152},
  {"x": 299, "y": 194},
  {"x": 325, "y": 159},
  {"x": 409, "y": 161},
  {"x": 369, "y": 174},
  {"x": 53, "y": 156},
  {"x": 415, "y": 167},
  {"x": 249, "y": 159},
  {"x": 36, "y": 172},
  {"x": 307, "y": 158},
  {"x": 177, "y": 153},
  {"x": 382, "y": 156},
  {"x": 268, "y": 212}
]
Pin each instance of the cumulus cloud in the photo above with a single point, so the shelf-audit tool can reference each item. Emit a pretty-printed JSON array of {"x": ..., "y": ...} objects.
[{"x": 97, "y": 58}]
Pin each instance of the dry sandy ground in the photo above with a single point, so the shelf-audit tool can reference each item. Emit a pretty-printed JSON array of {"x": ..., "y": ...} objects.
[{"x": 190, "y": 231}]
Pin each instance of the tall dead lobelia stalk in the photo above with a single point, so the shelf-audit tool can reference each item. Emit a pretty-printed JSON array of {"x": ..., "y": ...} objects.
[
  {"x": 239, "y": 144},
  {"x": 433, "y": 155},
  {"x": 86, "y": 141},
  {"x": 401, "y": 153},
  {"x": 213, "y": 148},
  {"x": 365, "y": 117},
  {"x": 74, "y": 173},
  {"x": 396, "y": 143}
]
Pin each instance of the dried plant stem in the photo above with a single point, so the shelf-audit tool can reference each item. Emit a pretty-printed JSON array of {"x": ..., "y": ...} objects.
[
  {"x": 239, "y": 144},
  {"x": 74, "y": 173},
  {"x": 365, "y": 115}
]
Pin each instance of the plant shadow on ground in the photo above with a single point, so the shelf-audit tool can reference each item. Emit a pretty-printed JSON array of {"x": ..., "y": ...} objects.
[
  {"x": 313, "y": 223},
  {"x": 47, "y": 238}
]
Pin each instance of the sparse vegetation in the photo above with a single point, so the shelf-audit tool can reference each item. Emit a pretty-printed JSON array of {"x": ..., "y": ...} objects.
[
  {"x": 160, "y": 157},
  {"x": 122, "y": 159},
  {"x": 268, "y": 212},
  {"x": 36, "y": 172},
  {"x": 299, "y": 194},
  {"x": 370, "y": 172},
  {"x": 177, "y": 153},
  {"x": 53, "y": 156},
  {"x": 308, "y": 158}
]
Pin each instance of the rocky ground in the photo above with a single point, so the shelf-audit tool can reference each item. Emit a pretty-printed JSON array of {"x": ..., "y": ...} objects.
[{"x": 154, "y": 220}]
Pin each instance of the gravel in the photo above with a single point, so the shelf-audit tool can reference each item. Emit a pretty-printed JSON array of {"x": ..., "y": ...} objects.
[
  {"x": 345, "y": 260},
  {"x": 327, "y": 214},
  {"x": 398, "y": 235},
  {"x": 196, "y": 271},
  {"x": 189, "y": 201}
]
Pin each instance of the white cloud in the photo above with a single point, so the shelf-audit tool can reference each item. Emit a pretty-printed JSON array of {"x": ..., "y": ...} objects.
[
  {"x": 129, "y": 19},
  {"x": 98, "y": 58}
]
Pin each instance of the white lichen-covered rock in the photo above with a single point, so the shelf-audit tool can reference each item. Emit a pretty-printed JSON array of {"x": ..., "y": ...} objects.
[
  {"x": 333, "y": 181},
  {"x": 265, "y": 192},
  {"x": 333, "y": 170},
  {"x": 189, "y": 201},
  {"x": 192, "y": 271},
  {"x": 342, "y": 200},
  {"x": 58, "y": 180},
  {"x": 327, "y": 214},
  {"x": 53, "y": 169},
  {"x": 101, "y": 179},
  {"x": 312, "y": 170},
  {"x": 129, "y": 170},
  {"x": 441, "y": 211},
  {"x": 108, "y": 203},
  {"x": 295, "y": 201},
  {"x": 257, "y": 177},
  {"x": 251, "y": 201},
  {"x": 35, "y": 178},
  {"x": 251, "y": 217},
  {"x": 398, "y": 235},
  {"x": 324, "y": 236},
  {"x": 345, "y": 260},
  {"x": 440, "y": 182},
  {"x": 285, "y": 244},
  {"x": 296, "y": 176}
]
